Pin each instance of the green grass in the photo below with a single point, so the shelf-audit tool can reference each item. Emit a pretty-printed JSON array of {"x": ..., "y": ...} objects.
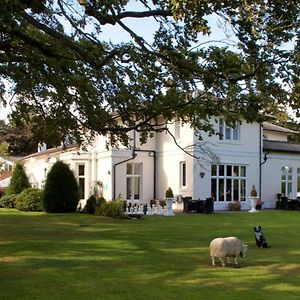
[{"x": 74, "y": 256}]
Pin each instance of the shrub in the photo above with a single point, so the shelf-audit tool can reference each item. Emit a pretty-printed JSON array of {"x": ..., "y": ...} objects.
[
  {"x": 18, "y": 182},
  {"x": 235, "y": 205},
  {"x": 30, "y": 200},
  {"x": 90, "y": 206},
  {"x": 61, "y": 193},
  {"x": 112, "y": 209},
  {"x": 8, "y": 201}
]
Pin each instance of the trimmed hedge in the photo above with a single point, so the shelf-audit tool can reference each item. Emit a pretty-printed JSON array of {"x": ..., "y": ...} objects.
[{"x": 29, "y": 200}]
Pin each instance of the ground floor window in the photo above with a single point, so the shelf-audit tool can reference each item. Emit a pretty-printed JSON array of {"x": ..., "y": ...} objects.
[
  {"x": 133, "y": 181},
  {"x": 287, "y": 181},
  {"x": 182, "y": 174},
  {"x": 228, "y": 182},
  {"x": 81, "y": 180}
]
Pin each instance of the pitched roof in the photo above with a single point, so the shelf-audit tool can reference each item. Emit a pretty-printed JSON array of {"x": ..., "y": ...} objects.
[
  {"x": 52, "y": 151},
  {"x": 279, "y": 146},
  {"x": 271, "y": 127}
]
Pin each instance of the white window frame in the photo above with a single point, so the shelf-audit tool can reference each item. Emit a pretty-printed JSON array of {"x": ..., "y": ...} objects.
[
  {"x": 287, "y": 181},
  {"x": 182, "y": 174},
  {"x": 238, "y": 174},
  {"x": 229, "y": 133},
  {"x": 132, "y": 177},
  {"x": 81, "y": 176}
]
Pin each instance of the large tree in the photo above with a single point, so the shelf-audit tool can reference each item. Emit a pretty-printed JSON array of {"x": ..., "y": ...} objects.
[{"x": 63, "y": 75}]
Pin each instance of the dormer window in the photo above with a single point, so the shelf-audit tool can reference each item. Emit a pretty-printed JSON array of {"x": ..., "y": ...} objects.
[{"x": 229, "y": 132}]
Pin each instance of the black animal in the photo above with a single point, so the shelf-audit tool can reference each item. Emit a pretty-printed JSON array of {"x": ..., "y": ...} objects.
[{"x": 260, "y": 240}]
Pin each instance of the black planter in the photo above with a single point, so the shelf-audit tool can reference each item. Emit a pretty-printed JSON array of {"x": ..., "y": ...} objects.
[{"x": 258, "y": 206}]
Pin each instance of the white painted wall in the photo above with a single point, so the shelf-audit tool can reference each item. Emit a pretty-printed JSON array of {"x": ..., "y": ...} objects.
[
  {"x": 246, "y": 152},
  {"x": 271, "y": 176}
]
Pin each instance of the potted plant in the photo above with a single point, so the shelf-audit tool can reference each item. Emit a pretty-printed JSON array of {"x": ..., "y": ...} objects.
[
  {"x": 253, "y": 199},
  {"x": 169, "y": 202},
  {"x": 234, "y": 206},
  {"x": 259, "y": 204}
]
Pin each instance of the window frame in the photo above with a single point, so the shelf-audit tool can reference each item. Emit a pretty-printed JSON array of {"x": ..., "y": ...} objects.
[
  {"x": 182, "y": 174},
  {"x": 286, "y": 181},
  {"x": 229, "y": 133},
  {"x": 228, "y": 182},
  {"x": 81, "y": 178},
  {"x": 132, "y": 179}
]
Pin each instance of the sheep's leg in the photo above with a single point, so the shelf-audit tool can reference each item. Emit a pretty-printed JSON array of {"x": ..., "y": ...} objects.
[
  {"x": 228, "y": 259},
  {"x": 213, "y": 261},
  {"x": 222, "y": 261},
  {"x": 235, "y": 260}
]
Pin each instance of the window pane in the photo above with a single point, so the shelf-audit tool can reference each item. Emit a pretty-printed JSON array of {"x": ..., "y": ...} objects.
[
  {"x": 243, "y": 171},
  {"x": 81, "y": 188},
  {"x": 221, "y": 129},
  {"x": 137, "y": 169},
  {"x": 128, "y": 188},
  {"x": 298, "y": 186},
  {"x": 228, "y": 189},
  {"x": 129, "y": 169},
  {"x": 236, "y": 190},
  {"x": 228, "y": 133},
  {"x": 214, "y": 188},
  {"x": 137, "y": 181},
  {"x": 283, "y": 192},
  {"x": 81, "y": 170},
  {"x": 214, "y": 170},
  {"x": 235, "y": 132},
  {"x": 236, "y": 171},
  {"x": 221, "y": 189},
  {"x": 243, "y": 190},
  {"x": 229, "y": 170},
  {"x": 183, "y": 173},
  {"x": 221, "y": 170},
  {"x": 289, "y": 191}
]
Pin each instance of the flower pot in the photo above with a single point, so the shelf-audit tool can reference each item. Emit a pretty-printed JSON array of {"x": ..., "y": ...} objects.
[
  {"x": 253, "y": 201},
  {"x": 169, "y": 211}
]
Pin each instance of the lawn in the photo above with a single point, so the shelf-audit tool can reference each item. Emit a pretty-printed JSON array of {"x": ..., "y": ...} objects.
[{"x": 75, "y": 256}]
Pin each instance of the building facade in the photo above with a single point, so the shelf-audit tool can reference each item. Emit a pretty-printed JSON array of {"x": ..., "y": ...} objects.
[{"x": 223, "y": 166}]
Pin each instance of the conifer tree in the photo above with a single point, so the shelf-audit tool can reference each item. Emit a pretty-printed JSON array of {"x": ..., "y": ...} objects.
[
  {"x": 61, "y": 192},
  {"x": 19, "y": 181}
]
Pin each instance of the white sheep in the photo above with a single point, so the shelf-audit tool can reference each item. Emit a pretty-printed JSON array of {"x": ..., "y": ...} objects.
[{"x": 227, "y": 247}]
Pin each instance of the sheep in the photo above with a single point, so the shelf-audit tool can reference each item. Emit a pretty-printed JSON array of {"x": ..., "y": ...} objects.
[{"x": 227, "y": 247}]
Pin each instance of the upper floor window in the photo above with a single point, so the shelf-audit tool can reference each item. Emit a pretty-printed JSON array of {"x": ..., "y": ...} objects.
[{"x": 229, "y": 132}]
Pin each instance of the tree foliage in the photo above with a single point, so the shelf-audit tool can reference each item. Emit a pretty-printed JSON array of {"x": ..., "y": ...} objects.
[
  {"x": 61, "y": 193},
  {"x": 18, "y": 182},
  {"x": 66, "y": 78}
]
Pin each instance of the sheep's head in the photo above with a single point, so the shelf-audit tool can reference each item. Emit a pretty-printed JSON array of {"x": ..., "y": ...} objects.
[{"x": 244, "y": 250}]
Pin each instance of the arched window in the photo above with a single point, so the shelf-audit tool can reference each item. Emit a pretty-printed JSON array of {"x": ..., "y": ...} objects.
[{"x": 286, "y": 181}]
